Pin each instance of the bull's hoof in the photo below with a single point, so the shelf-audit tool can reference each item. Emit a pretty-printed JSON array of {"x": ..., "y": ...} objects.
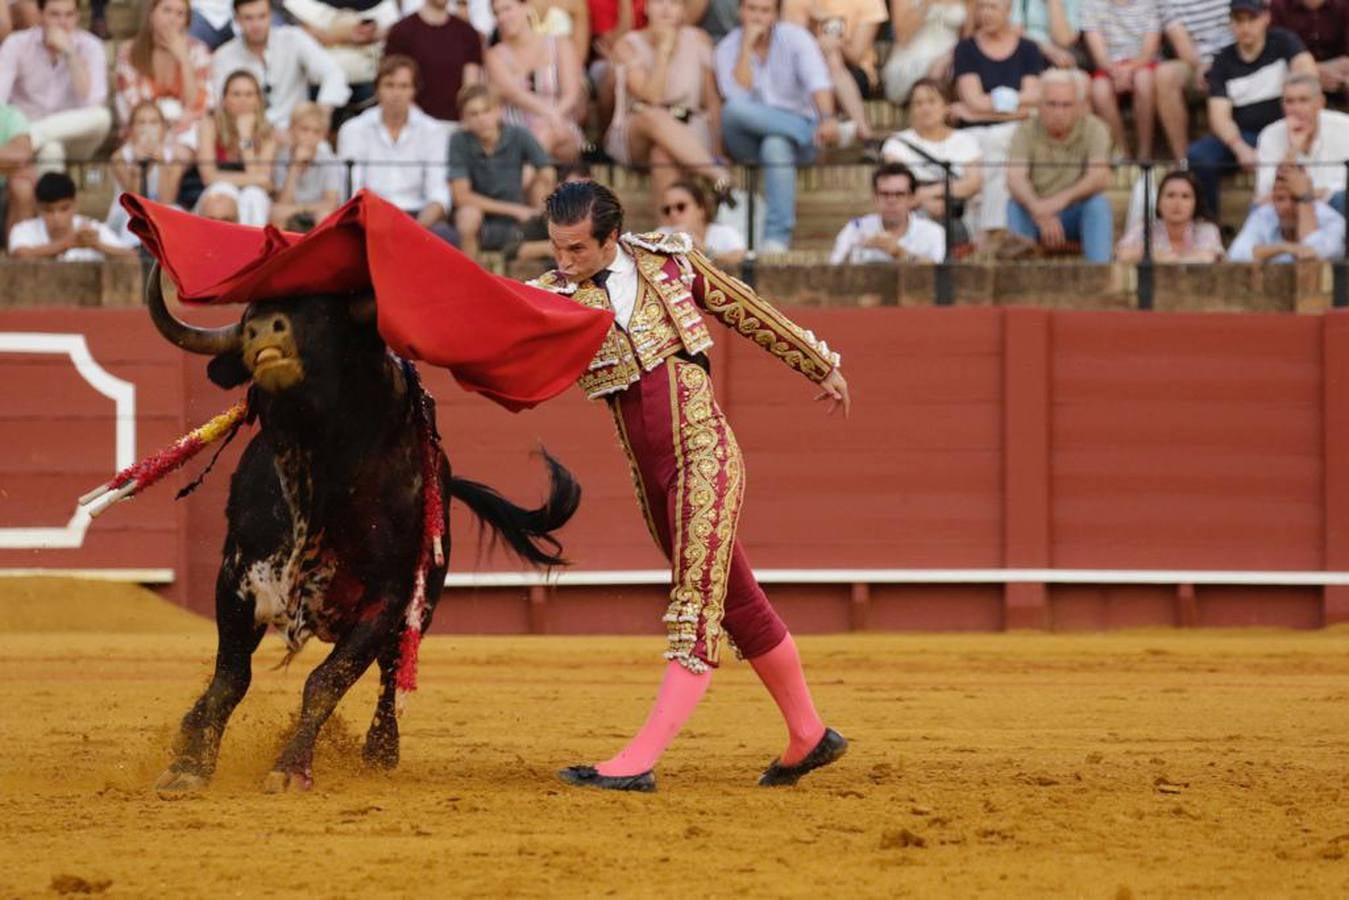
[
  {"x": 280, "y": 782},
  {"x": 381, "y": 751},
  {"x": 176, "y": 781}
]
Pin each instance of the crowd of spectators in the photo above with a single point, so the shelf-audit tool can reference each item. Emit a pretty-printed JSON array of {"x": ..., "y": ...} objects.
[{"x": 465, "y": 114}]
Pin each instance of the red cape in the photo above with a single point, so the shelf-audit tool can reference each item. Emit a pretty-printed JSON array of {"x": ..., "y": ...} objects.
[{"x": 516, "y": 344}]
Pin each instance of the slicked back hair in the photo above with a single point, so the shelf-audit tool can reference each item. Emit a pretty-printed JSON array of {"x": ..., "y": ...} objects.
[{"x": 572, "y": 201}]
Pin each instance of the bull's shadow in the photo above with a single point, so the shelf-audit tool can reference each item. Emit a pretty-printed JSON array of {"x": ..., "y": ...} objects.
[{"x": 326, "y": 517}]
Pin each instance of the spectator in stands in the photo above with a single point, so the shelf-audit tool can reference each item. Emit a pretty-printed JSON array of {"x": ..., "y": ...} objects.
[
  {"x": 1059, "y": 170},
  {"x": 1323, "y": 26},
  {"x": 846, "y": 32},
  {"x": 284, "y": 59},
  {"x": 448, "y": 52},
  {"x": 493, "y": 206},
  {"x": 1195, "y": 30},
  {"x": 149, "y": 142},
  {"x": 57, "y": 232},
  {"x": 1245, "y": 86},
  {"x": 307, "y": 178},
  {"x": 164, "y": 64},
  {"x": 925, "y": 35},
  {"x": 686, "y": 207},
  {"x": 235, "y": 151},
  {"x": 212, "y": 22},
  {"x": 997, "y": 85},
  {"x": 669, "y": 113},
  {"x": 1123, "y": 38},
  {"x": 1310, "y": 136},
  {"x": 1181, "y": 230},
  {"x": 353, "y": 33},
  {"x": 399, "y": 150},
  {"x": 16, "y": 172},
  {"x": 539, "y": 79},
  {"x": 1293, "y": 226},
  {"x": 779, "y": 107},
  {"x": 57, "y": 74},
  {"x": 929, "y": 138},
  {"x": 1056, "y": 28},
  {"x": 890, "y": 234}
]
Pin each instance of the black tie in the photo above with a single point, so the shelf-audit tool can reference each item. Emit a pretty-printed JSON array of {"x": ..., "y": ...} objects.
[{"x": 599, "y": 278}]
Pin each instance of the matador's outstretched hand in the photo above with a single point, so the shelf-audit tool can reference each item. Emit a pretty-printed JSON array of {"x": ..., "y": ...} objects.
[{"x": 835, "y": 390}]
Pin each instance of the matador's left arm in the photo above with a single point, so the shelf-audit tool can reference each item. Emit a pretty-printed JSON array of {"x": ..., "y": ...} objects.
[{"x": 737, "y": 306}]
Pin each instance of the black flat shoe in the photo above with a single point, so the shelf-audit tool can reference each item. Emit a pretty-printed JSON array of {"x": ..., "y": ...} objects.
[
  {"x": 586, "y": 776},
  {"x": 831, "y": 747}
]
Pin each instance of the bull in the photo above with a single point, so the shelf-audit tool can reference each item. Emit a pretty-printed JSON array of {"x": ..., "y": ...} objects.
[{"x": 326, "y": 518}]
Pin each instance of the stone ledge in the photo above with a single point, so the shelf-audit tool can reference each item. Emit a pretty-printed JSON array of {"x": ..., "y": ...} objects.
[
  {"x": 804, "y": 279},
  {"x": 46, "y": 283}
]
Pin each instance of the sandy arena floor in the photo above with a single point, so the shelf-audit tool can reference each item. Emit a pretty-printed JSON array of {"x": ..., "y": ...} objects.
[{"x": 1125, "y": 765}]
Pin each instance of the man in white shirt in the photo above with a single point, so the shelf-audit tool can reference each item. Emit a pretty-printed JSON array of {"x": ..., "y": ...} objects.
[
  {"x": 1308, "y": 135},
  {"x": 890, "y": 234},
  {"x": 400, "y": 151},
  {"x": 57, "y": 75},
  {"x": 58, "y": 233},
  {"x": 1293, "y": 226},
  {"x": 285, "y": 60}
]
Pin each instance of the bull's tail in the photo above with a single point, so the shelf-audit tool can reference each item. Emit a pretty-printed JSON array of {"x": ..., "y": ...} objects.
[{"x": 528, "y": 532}]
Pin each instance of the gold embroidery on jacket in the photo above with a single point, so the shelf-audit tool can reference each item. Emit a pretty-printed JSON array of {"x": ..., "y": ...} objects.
[{"x": 736, "y": 304}]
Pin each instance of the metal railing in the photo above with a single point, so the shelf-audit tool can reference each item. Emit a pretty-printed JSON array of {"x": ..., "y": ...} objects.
[{"x": 752, "y": 176}]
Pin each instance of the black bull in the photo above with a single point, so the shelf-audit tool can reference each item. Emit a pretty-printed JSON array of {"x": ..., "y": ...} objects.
[{"x": 325, "y": 517}]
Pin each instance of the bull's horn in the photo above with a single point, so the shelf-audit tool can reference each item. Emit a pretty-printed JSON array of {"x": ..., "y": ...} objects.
[
  {"x": 362, "y": 309},
  {"x": 208, "y": 341}
]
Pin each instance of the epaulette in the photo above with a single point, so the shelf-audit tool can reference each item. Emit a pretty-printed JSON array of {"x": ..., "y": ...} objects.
[
  {"x": 659, "y": 241},
  {"x": 554, "y": 282}
]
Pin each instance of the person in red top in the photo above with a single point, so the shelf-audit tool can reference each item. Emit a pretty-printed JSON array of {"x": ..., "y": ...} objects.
[
  {"x": 448, "y": 51},
  {"x": 653, "y": 373},
  {"x": 1323, "y": 26}
]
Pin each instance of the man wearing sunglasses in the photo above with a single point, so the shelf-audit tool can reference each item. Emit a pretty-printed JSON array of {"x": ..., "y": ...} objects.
[
  {"x": 890, "y": 234},
  {"x": 652, "y": 371}
]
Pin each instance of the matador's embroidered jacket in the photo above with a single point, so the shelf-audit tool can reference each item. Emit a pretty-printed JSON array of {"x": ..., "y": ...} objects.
[{"x": 674, "y": 282}]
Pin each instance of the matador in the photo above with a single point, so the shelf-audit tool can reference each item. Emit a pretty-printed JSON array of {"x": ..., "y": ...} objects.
[{"x": 652, "y": 371}]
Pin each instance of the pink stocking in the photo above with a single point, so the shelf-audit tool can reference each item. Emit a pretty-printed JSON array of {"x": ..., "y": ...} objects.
[
  {"x": 780, "y": 671},
  {"x": 680, "y": 691}
]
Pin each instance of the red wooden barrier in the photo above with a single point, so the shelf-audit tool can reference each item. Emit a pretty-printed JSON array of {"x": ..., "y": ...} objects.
[{"x": 981, "y": 440}]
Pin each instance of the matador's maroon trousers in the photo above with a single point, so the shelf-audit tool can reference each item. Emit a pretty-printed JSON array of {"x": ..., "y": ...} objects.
[{"x": 689, "y": 476}]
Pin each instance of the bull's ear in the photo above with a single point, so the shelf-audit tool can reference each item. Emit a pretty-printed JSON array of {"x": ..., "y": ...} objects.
[{"x": 227, "y": 370}]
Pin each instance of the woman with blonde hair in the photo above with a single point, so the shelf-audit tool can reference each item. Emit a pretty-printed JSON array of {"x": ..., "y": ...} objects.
[
  {"x": 235, "y": 148},
  {"x": 166, "y": 65}
]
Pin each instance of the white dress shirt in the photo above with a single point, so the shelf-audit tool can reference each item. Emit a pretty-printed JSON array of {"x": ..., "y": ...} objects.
[
  {"x": 1324, "y": 159},
  {"x": 417, "y": 174},
  {"x": 33, "y": 233},
  {"x": 622, "y": 287},
  {"x": 1262, "y": 227},
  {"x": 924, "y": 241},
  {"x": 291, "y": 62}
]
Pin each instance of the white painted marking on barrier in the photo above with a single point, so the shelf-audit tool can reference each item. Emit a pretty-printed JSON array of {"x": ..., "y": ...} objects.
[
  {"x": 912, "y": 576},
  {"x": 123, "y": 395},
  {"x": 129, "y": 576}
]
